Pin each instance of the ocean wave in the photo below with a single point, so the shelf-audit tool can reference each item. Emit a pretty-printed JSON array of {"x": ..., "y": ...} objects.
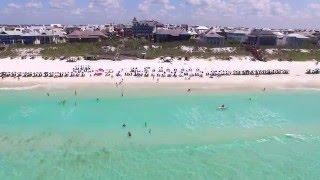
[
  {"x": 262, "y": 140},
  {"x": 300, "y": 88},
  {"x": 295, "y": 136},
  {"x": 20, "y": 88}
]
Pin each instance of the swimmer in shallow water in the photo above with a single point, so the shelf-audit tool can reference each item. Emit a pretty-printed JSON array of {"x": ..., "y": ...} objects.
[
  {"x": 129, "y": 134},
  {"x": 48, "y": 94},
  {"x": 222, "y": 107},
  {"x": 124, "y": 125}
]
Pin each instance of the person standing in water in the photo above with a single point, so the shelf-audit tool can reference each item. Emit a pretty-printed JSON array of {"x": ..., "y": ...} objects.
[
  {"x": 129, "y": 134},
  {"x": 75, "y": 92},
  {"x": 222, "y": 107}
]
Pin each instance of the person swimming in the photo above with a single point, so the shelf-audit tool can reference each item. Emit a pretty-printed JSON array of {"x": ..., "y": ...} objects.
[
  {"x": 48, "y": 94},
  {"x": 145, "y": 124},
  {"x": 124, "y": 125},
  {"x": 129, "y": 134},
  {"x": 189, "y": 90},
  {"x": 63, "y": 102},
  {"x": 97, "y": 99},
  {"x": 222, "y": 107},
  {"x": 149, "y": 131},
  {"x": 75, "y": 92}
]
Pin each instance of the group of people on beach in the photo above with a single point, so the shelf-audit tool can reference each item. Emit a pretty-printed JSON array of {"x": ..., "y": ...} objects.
[
  {"x": 129, "y": 132},
  {"x": 190, "y": 72},
  {"x": 146, "y": 72},
  {"x": 313, "y": 71}
]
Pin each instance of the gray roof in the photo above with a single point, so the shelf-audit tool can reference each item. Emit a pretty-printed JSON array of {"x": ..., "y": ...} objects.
[
  {"x": 86, "y": 34},
  {"x": 151, "y": 23},
  {"x": 213, "y": 34},
  {"x": 172, "y": 32},
  {"x": 258, "y": 32}
]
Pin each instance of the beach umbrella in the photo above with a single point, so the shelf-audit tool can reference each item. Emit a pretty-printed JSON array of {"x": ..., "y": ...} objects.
[{"x": 97, "y": 74}]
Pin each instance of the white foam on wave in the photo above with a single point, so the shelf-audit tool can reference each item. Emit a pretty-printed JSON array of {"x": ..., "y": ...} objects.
[
  {"x": 262, "y": 140},
  {"x": 20, "y": 88},
  {"x": 299, "y": 88},
  {"x": 295, "y": 136}
]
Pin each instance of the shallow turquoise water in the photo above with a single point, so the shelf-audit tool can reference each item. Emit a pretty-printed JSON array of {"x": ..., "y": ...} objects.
[{"x": 275, "y": 135}]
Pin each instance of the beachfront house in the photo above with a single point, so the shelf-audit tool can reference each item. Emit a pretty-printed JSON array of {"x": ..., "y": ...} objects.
[
  {"x": 86, "y": 36},
  {"x": 212, "y": 38},
  {"x": 201, "y": 29},
  {"x": 296, "y": 40},
  {"x": 31, "y": 35},
  {"x": 10, "y": 36},
  {"x": 34, "y": 37},
  {"x": 127, "y": 31},
  {"x": 259, "y": 37},
  {"x": 145, "y": 28},
  {"x": 237, "y": 35},
  {"x": 168, "y": 35},
  {"x": 122, "y": 30},
  {"x": 70, "y": 29},
  {"x": 281, "y": 40}
]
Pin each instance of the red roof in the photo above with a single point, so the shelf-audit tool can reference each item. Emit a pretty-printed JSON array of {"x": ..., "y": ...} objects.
[{"x": 86, "y": 34}]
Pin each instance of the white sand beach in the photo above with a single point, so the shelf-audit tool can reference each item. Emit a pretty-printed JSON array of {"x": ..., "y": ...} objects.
[{"x": 193, "y": 73}]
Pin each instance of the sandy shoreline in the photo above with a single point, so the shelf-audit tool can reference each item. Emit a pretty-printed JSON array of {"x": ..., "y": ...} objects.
[{"x": 296, "y": 79}]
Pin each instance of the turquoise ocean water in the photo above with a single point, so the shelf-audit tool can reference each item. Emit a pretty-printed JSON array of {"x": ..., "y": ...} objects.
[{"x": 275, "y": 135}]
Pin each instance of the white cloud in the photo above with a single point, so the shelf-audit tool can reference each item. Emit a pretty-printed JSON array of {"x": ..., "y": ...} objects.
[
  {"x": 61, "y": 3},
  {"x": 242, "y": 7},
  {"x": 315, "y": 10},
  {"x": 34, "y": 4},
  {"x": 262, "y": 7},
  {"x": 315, "y": 6},
  {"x": 77, "y": 11},
  {"x": 165, "y": 5},
  {"x": 104, "y": 4},
  {"x": 14, "y": 6}
]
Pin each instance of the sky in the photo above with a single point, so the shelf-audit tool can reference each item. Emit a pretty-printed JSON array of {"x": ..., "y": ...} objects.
[{"x": 248, "y": 13}]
